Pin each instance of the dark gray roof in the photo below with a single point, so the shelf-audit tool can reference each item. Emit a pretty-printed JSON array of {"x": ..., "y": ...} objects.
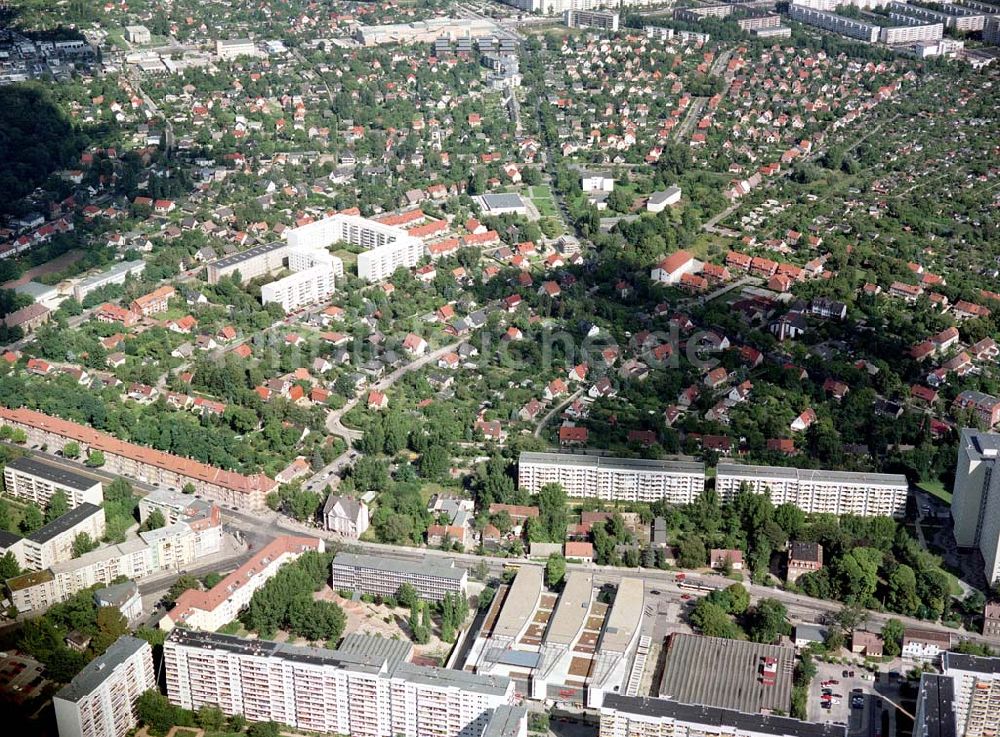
[
  {"x": 242, "y": 256},
  {"x": 99, "y": 669},
  {"x": 713, "y": 716},
  {"x": 972, "y": 663},
  {"x": 503, "y": 200},
  {"x": 935, "y": 707},
  {"x": 52, "y": 472},
  {"x": 66, "y": 522},
  {"x": 428, "y": 566},
  {"x": 505, "y": 721},
  {"x": 117, "y": 594},
  {"x": 7, "y": 539}
]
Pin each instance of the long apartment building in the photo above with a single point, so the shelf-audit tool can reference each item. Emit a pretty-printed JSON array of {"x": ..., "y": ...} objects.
[
  {"x": 613, "y": 479},
  {"x": 632, "y": 716},
  {"x": 142, "y": 463},
  {"x": 962, "y": 701},
  {"x": 114, "y": 275},
  {"x": 250, "y": 264},
  {"x": 909, "y": 29},
  {"x": 35, "y": 481},
  {"x": 605, "y": 20},
  {"x": 364, "y": 689},
  {"x": 313, "y": 279},
  {"x": 813, "y": 491},
  {"x": 387, "y": 247},
  {"x": 210, "y": 610},
  {"x": 170, "y": 548},
  {"x": 975, "y": 503},
  {"x": 370, "y": 574},
  {"x": 953, "y": 16},
  {"x": 100, "y": 700},
  {"x": 850, "y": 27}
]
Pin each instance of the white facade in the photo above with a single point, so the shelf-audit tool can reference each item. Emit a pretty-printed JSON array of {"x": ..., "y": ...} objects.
[
  {"x": 626, "y": 716},
  {"x": 612, "y": 479},
  {"x": 388, "y": 247},
  {"x": 843, "y": 25},
  {"x": 604, "y": 20},
  {"x": 53, "y": 543},
  {"x": 312, "y": 279},
  {"x": 171, "y": 548},
  {"x": 378, "y": 576},
  {"x": 236, "y": 47},
  {"x": 35, "y": 481},
  {"x": 975, "y": 503},
  {"x": 597, "y": 183},
  {"x": 815, "y": 491},
  {"x": 100, "y": 700},
  {"x": 363, "y": 692},
  {"x": 976, "y": 693}
]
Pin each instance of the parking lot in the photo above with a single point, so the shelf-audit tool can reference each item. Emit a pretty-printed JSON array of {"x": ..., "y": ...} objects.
[{"x": 863, "y": 719}]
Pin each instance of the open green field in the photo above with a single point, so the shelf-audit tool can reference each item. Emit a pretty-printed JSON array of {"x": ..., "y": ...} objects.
[
  {"x": 541, "y": 195},
  {"x": 936, "y": 488}
]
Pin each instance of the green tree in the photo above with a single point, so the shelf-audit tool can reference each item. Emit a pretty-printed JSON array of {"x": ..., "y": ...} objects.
[
  {"x": 211, "y": 718},
  {"x": 264, "y": 729},
  {"x": 31, "y": 520},
  {"x": 155, "y": 711},
  {"x": 9, "y": 566},
  {"x": 767, "y": 620},
  {"x": 713, "y": 621},
  {"x": 154, "y": 521},
  {"x": 892, "y": 638},
  {"x": 178, "y": 587},
  {"x": 58, "y": 506},
  {"x": 71, "y": 450},
  {"x": 555, "y": 571},
  {"x": 552, "y": 511},
  {"x": 902, "y": 591},
  {"x": 691, "y": 552},
  {"x": 95, "y": 459},
  {"x": 407, "y": 596},
  {"x": 83, "y": 543}
]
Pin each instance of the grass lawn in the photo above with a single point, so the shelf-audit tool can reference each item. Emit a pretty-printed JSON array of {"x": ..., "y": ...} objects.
[
  {"x": 350, "y": 259},
  {"x": 185, "y": 733},
  {"x": 541, "y": 195},
  {"x": 16, "y": 510},
  {"x": 936, "y": 488}
]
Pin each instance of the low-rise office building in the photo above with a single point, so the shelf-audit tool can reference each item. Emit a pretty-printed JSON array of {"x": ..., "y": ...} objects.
[
  {"x": 115, "y": 275},
  {"x": 365, "y": 688},
  {"x": 210, "y": 610},
  {"x": 613, "y": 479},
  {"x": 814, "y": 491},
  {"x": 100, "y": 700},
  {"x": 34, "y": 480},
  {"x": 377, "y": 576}
]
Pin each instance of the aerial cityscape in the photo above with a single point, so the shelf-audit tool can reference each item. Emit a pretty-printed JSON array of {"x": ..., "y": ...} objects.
[{"x": 500, "y": 368}]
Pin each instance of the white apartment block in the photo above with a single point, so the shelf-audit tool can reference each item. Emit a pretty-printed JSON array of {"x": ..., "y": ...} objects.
[
  {"x": 210, "y": 610},
  {"x": 388, "y": 247},
  {"x": 170, "y": 548},
  {"x": 952, "y": 16},
  {"x": 100, "y": 700},
  {"x": 235, "y": 47},
  {"x": 962, "y": 701},
  {"x": 909, "y": 30},
  {"x": 604, "y": 20},
  {"x": 377, "y": 576},
  {"x": 613, "y": 479},
  {"x": 850, "y": 27},
  {"x": 115, "y": 275},
  {"x": 814, "y": 491},
  {"x": 558, "y": 7},
  {"x": 312, "y": 279},
  {"x": 975, "y": 503},
  {"x": 976, "y": 689},
  {"x": 632, "y": 716},
  {"x": 53, "y": 543},
  {"x": 34, "y": 480},
  {"x": 364, "y": 689},
  {"x": 833, "y": 4}
]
